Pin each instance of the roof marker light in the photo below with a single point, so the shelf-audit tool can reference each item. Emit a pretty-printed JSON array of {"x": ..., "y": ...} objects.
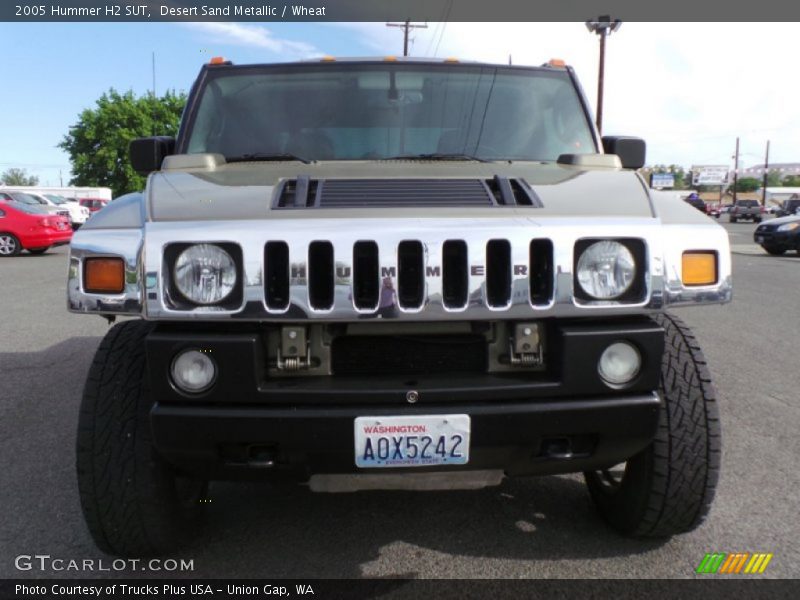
[
  {"x": 327, "y": 59},
  {"x": 451, "y": 59},
  {"x": 217, "y": 60},
  {"x": 556, "y": 62}
]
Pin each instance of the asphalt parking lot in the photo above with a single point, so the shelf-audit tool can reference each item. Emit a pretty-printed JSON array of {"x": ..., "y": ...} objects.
[{"x": 543, "y": 527}]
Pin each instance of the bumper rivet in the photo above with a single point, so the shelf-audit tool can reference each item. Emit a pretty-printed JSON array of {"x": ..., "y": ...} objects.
[{"x": 412, "y": 396}]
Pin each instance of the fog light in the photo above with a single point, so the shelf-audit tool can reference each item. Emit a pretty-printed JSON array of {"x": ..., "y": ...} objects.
[
  {"x": 619, "y": 363},
  {"x": 193, "y": 371}
]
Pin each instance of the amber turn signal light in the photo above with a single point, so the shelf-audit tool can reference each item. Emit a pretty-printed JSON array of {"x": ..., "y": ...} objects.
[
  {"x": 699, "y": 268},
  {"x": 104, "y": 275}
]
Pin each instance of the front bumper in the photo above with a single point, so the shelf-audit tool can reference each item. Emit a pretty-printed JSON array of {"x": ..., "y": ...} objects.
[
  {"x": 525, "y": 438},
  {"x": 250, "y": 425},
  {"x": 778, "y": 239}
]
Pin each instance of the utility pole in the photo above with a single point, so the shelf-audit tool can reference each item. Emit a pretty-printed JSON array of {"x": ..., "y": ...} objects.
[
  {"x": 60, "y": 179},
  {"x": 764, "y": 182},
  {"x": 735, "y": 170},
  {"x": 603, "y": 27},
  {"x": 406, "y": 27}
]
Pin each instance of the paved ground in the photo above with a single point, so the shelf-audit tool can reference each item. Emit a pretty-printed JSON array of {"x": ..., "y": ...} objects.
[{"x": 526, "y": 528}]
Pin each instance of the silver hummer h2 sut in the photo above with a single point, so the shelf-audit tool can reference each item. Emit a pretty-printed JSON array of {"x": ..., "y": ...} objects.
[{"x": 378, "y": 273}]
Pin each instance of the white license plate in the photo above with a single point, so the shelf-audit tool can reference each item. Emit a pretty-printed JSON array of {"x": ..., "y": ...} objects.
[
  {"x": 413, "y": 441},
  {"x": 759, "y": 239}
]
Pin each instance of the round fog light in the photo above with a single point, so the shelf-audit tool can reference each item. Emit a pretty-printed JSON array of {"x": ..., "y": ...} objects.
[
  {"x": 619, "y": 363},
  {"x": 193, "y": 371}
]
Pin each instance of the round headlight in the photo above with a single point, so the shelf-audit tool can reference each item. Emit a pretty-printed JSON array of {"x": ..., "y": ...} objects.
[
  {"x": 193, "y": 371},
  {"x": 205, "y": 273},
  {"x": 606, "y": 270},
  {"x": 619, "y": 363}
]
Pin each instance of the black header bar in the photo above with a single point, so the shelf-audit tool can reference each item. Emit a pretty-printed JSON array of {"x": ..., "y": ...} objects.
[{"x": 393, "y": 10}]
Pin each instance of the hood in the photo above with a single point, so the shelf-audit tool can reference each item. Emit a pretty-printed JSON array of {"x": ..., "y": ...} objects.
[
  {"x": 247, "y": 190},
  {"x": 783, "y": 220}
]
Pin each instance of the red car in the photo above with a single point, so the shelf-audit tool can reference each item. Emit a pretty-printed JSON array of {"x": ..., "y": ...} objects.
[
  {"x": 93, "y": 204},
  {"x": 24, "y": 227}
]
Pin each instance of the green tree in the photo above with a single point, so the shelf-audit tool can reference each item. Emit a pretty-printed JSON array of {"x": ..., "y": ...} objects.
[
  {"x": 98, "y": 143},
  {"x": 748, "y": 184},
  {"x": 773, "y": 178},
  {"x": 791, "y": 181},
  {"x": 19, "y": 177}
]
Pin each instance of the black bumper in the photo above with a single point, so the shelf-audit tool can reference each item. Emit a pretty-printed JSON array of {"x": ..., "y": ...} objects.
[
  {"x": 564, "y": 419},
  {"x": 293, "y": 443},
  {"x": 786, "y": 240}
]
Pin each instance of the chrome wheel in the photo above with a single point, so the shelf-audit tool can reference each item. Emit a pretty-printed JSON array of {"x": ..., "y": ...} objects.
[{"x": 9, "y": 246}]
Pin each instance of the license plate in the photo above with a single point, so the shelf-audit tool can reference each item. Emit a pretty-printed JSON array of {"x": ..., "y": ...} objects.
[
  {"x": 759, "y": 239},
  {"x": 413, "y": 441}
]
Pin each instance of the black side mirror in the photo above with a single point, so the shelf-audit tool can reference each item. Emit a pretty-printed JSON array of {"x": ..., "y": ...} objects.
[
  {"x": 631, "y": 150},
  {"x": 147, "y": 154}
]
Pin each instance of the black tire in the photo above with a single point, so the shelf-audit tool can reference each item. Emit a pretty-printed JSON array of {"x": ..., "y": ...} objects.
[
  {"x": 39, "y": 250},
  {"x": 134, "y": 503},
  {"x": 774, "y": 250},
  {"x": 668, "y": 488},
  {"x": 731, "y": 219},
  {"x": 758, "y": 220},
  {"x": 9, "y": 245}
]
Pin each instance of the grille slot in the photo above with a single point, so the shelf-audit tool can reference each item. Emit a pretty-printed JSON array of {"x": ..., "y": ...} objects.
[
  {"x": 455, "y": 274},
  {"x": 541, "y": 272},
  {"x": 382, "y": 355},
  {"x": 366, "y": 282},
  {"x": 320, "y": 275},
  {"x": 276, "y": 275},
  {"x": 498, "y": 273},
  {"x": 410, "y": 274}
]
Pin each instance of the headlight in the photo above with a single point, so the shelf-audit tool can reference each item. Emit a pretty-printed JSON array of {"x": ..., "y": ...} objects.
[
  {"x": 789, "y": 227},
  {"x": 205, "y": 273},
  {"x": 606, "y": 270}
]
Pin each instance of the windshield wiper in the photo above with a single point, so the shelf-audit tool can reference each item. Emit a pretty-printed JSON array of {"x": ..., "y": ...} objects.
[
  {"x": 436, "y": 156},
  {"x": 266, "y": 157}
]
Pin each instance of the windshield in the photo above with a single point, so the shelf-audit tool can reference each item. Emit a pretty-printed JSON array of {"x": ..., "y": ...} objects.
[
  {"x": 55, "y": 199},
  {"x": 369, "y": 111}
]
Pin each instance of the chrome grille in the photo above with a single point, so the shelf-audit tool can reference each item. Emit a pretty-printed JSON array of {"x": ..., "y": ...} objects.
[{"x": 416, "y": 274}]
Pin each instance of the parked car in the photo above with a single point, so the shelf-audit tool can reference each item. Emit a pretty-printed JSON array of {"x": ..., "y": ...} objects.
[
  {"x": 695, "y": 201},
  {"x": 789, "y": 207},
  {"x": 93, "y": 204},
  {"x": 779, "y": 235},
  {"x": 78, "y": 215},
  {"x": 713, "y": 210},
  {"x": 32, "y": 200},
  {"x": 746, "y": 210},
  {"x": 32, "y": 228}
]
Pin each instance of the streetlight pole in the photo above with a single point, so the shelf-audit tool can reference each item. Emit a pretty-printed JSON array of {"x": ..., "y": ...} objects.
[{"x": 603, "y": 27}]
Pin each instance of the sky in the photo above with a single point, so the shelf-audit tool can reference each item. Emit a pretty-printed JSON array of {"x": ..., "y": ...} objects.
[{"x": 688, "y": 89}]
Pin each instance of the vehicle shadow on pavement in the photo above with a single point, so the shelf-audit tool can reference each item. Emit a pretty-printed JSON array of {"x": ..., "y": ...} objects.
[
  {"x": 261, "y": 530},
  {"x": 283, "y": 531}
]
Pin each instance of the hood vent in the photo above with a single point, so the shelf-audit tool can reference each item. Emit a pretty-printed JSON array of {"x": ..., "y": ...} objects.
[{"x": 304, "y": 192}]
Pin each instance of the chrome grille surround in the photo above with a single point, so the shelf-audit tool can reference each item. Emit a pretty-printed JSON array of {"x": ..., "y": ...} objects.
[{"x": 145, "y": 288}]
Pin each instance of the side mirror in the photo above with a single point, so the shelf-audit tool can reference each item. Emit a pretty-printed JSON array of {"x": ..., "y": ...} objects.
[
  {"x": 631, "y": 150},
  {"x": 147, "y": 154}
]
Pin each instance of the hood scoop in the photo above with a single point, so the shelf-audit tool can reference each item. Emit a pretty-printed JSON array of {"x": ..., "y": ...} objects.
[{"x": 305, "y": 192}]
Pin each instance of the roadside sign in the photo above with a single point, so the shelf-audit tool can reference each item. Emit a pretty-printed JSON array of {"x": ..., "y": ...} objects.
[
  {"x": 662, "y": 180},
  {"x": 709, "y": 175}
]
